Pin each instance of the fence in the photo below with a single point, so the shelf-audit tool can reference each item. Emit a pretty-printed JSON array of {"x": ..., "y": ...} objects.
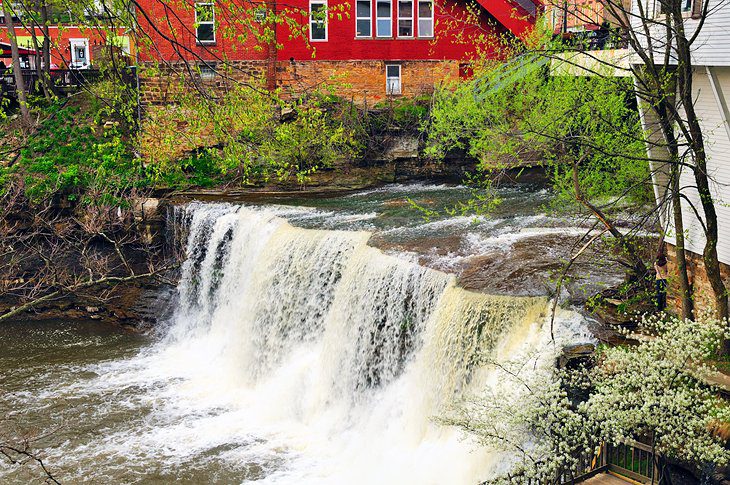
[
  {"x": 634, "y": 461},
  {"x": 66, "y": 80}
]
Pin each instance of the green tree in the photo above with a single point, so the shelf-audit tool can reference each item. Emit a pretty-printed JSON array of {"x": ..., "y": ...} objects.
[{"x": 584, "y": 129}]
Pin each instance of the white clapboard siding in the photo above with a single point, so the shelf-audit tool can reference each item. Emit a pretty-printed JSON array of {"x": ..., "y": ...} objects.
[
  {"x": 718, "y": 152},
  {"x": 712, "y": 46}
]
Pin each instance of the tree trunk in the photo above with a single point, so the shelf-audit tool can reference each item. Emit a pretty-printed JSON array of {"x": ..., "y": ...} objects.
[
  {"x": 39, "y": 62},
  {"x": 17, "y": 73},
  {"x": 46, "y": 47},
  {"x": 697, "y": 144},
  {"x": 666, "y": 122},
  {"x": 637, "y": 264},
  {"x": 685, "y": 290}
]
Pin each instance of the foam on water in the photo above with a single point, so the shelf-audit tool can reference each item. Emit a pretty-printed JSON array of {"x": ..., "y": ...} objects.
[{"x": 305, "y": 356}]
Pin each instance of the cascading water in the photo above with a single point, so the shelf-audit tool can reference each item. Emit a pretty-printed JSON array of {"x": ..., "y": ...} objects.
[
  {"x": 340, "y": 351},
  {"x": 294, "y": 356}
]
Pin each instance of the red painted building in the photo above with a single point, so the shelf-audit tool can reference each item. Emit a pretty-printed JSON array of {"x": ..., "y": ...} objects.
[
  {"x": 73, "y": 46},
  {"x": 373, "y": 48}
]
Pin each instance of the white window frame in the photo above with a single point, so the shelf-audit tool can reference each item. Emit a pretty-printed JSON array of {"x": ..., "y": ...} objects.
[
  {"x": 208, "y": 71},
  {"x": 392, "y": 91},
  {"x": 389, "y": 18},
  {"x": 75, "y": 62},
  {"x": 206, "y": 22},
  {"x": 369, "y": 18},
  {"x": 429, "y": 20},
  {"x": 411, "y": 18},
  {"x": 323, "y": 21}
]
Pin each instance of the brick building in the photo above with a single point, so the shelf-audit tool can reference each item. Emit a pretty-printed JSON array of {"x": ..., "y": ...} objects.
[
  {"x": 372, "y": 48},
  {"x": 75, "y": 43}
]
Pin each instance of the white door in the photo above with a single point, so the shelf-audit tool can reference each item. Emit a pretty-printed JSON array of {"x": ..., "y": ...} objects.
[{"x": 80, "y": 54}]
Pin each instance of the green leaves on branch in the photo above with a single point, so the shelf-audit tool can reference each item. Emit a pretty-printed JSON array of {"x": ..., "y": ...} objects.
[
  {"x": 247, "y": 135},
  {"x": 528, "y": 117}
]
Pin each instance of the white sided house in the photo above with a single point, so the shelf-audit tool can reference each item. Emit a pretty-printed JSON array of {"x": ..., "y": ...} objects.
[{"x": 711, "y": 94}]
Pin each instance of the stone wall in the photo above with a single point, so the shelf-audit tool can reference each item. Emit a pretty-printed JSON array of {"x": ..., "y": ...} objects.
[
  {"x": 162, "y": 84},
  {"x": 361, "y": 81},
  {"x": 703, "y": 296}
]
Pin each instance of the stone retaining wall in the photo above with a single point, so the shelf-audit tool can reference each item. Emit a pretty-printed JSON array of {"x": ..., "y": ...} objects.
[
  {"x": 703, "y": 296},
  {"x": 361, "y": 81}
]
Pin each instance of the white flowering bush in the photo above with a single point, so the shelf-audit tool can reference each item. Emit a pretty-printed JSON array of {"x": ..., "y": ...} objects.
[
  {"x": 658, "y": 389},
  {"x": 530, "y": 416}
]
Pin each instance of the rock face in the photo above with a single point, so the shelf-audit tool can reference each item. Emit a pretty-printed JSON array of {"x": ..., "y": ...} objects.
[{"x": 574, "y": 356}]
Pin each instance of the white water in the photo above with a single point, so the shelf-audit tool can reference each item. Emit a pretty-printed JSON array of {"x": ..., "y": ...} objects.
[
  {"x": 298, "y": 356},
  {"x": 332, "y": 353}
]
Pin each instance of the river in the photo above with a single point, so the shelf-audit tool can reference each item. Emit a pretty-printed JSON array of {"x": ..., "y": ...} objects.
[{"x": 312, "y": 341}]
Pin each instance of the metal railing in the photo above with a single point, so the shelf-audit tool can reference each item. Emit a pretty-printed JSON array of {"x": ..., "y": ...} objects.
[{"x": 634, "y": 461}]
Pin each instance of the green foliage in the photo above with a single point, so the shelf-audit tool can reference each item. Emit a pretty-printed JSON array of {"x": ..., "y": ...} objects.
[
  {"x": 247, "y": 135},
  {"x": 527, "y": 117},
  {"x": 72, "y": 151}
]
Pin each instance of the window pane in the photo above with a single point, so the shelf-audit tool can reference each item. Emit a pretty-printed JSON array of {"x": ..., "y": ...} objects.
[
  {"x": 363, "y": 28},
  {"x": 425, "y": 28},
  {"x": 363, "y": 9},
  {"x": 405, "y": 28},
  {"x": 205, "y": 33},
  {"x": 392, "y": 71},
  {"x": 384, "y": 9},
  {"x": 405, "y": 9},
  {"x": 204, "y": 13},
  {"x": 318, "y": 31},
  {"x": 384, "y": 28},
  {"x": 425, "y": 10},
  {"x": 392, "y": 85}
]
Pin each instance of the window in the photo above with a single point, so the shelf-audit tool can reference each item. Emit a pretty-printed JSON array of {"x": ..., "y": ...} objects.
[
  {"x": 425, "y": 18},
  {"x": 207, "y": 71},
  {"x": 318, "y": 20},
  {"x": 205, "y": 23},
  {"x": 363, "y": 18},
  {"x": 392, "y": 79},
  {"x": 686, "y": 5},
  {"x": 259, "y": 15},
  {"x": 405, "y": 18},
  {"x": 384, "y": 18}
]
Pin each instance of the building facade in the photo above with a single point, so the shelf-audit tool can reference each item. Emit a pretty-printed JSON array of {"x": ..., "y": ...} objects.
[
  {"x": 711, "y": 94},
  {"x": 372, "y": 49},
  {"x": 75, "y": 43}
]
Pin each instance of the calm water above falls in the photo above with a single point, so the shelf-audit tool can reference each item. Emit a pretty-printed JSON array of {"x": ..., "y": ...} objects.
[{"x": 307, "y": 346}]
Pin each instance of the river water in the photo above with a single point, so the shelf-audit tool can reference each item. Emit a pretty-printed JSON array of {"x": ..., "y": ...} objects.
[{"x": 312, "y": 341}]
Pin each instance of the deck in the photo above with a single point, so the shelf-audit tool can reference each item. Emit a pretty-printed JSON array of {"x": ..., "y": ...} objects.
[{"x": 605, "y": 479}]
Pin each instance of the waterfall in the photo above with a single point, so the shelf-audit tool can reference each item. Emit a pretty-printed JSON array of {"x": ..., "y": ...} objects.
[{"x": 338, "y": 353}]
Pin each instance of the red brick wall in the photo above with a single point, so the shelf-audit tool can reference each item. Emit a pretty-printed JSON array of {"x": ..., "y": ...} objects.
[{"x": 362, "y": 81}]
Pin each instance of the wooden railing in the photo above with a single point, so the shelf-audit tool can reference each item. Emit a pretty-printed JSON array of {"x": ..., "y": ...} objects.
[
  {"x": 66, "y": 80},
  {"x": 634, "y": 461}
]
